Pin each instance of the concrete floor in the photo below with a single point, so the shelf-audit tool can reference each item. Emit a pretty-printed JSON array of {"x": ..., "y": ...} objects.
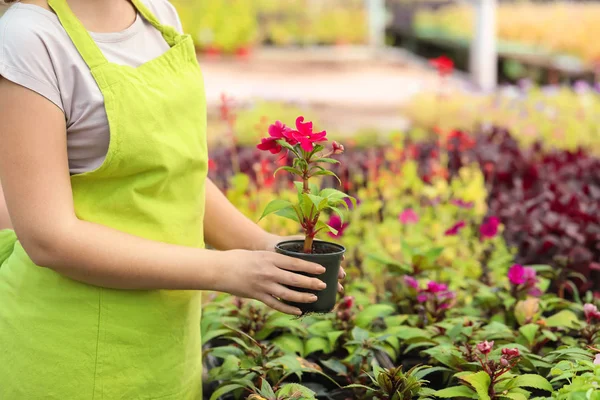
[{"x": 350, "y": 88}]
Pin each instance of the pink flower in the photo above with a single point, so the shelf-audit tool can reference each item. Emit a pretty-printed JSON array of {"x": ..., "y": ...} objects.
[
  {"x": 408, "y": 217},
  {"x": 489, "y": 228},
  {"x": 597, "y": 359},
  {"x": 455, "y": 229},
  {"x": 485, "y": 347},
  {"x": 410, "y": 281},
  {"x": 422, "y": 298},
  {"x": 305, "y": 136},
  {"x": 434, "y": 287},
  {"x": 281, "y": 131},
  {"x": 591, "y": 312},
  {"x": 336, "y": 223}
]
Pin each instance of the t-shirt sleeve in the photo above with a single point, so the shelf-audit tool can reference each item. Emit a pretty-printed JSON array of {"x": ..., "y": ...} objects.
[{"x": 24, "y": 57}]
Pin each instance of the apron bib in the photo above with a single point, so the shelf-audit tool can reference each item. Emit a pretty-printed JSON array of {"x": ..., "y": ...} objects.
[{"x": 65, "y": 340}]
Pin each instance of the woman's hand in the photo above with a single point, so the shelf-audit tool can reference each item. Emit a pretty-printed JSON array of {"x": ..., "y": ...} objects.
[
  {"x": 263, "y": 276},
  {"x": 272, "y": 240}
]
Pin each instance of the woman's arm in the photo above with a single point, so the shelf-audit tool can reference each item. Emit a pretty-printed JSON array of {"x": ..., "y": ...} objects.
[
  {"x": 36, "y": 182},
  {"x": 226, "y": 228}
]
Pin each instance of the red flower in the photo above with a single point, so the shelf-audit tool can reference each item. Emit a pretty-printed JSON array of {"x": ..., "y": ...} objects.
[
  {"x": 212, "y": 165},
  {"x": 443, "y": 64},
  {"x": 516, "y": 274},
  {"x": 305, "y": 136},
  {"x": 485, "y": 347},
  {"x": 455, "y": 229},
  {"x": 269, "y": 144},
  {"x": 347, "y": 302},
  {"x": 489, "y": 228}
]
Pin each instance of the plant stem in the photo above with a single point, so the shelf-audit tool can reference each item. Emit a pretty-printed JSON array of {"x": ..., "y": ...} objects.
[
  {"x": 308, "y": 244},
  {"x": 305, "y": 188}
]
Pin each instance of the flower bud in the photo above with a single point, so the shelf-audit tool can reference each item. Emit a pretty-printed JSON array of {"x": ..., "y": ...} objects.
[
  {"x": 485, "y": 347},
  {"x": 337, "y": 148}
]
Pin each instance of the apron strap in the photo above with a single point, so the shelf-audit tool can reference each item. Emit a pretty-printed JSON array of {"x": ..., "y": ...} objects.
[
  {"x": 88, "y": 49},
  {"x": 169, "y": 33}
]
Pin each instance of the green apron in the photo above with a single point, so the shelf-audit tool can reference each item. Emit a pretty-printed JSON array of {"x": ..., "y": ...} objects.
[{"x": 65, "y": 340}]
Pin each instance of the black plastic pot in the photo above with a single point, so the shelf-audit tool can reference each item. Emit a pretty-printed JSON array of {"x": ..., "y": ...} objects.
[{"x": 330, "y": 256}]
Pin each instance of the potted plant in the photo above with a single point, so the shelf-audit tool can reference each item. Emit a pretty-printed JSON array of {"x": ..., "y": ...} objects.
[{"x": 308, "y": 157}]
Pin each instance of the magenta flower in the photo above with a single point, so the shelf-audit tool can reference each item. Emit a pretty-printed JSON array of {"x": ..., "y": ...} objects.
[
  {"x": 336, "y": 223},
  {"x": 277, "y": 131},
  {"x": 305, "y": 136},
  {"x": 337, "y": 148},
  {"x": 519, "y": 275},
  {"x": 422, "y": 298},
  {"x": 408, "y": 217},
  {"x": 516, "y": 274},
  {"x": 434, "y": 287},
  {"x": 410, "y": 281},
  {"x": 455, "y": 229},
  {"x": 485, "y": 347},
  {"x": 591, "y": 313},
  {"x": 489, "y": 228}
]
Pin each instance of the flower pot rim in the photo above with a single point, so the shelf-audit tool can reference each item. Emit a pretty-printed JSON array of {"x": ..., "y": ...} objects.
[{"x": 341, "y": 248}]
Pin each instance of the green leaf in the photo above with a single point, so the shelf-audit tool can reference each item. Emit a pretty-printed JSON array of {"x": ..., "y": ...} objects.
[
  {"x": 328, "y": 173},
  {"x": 532, "y": 381},
  {"x": 456, "y": 391},
  {"x": 328, "y": 160},
  {"x": 275, "y": 206},
  {"x": 207, "y": 337},
  {"x": 319, "y": 202},
  {"x": 321, "y": 328},
  {"x": 387, "y": 261},
  {"x": 288, "y": 213},
  {"x": 360, "y": 334},
  {"x": 480, "y": 381},
  {"x": 289, "y": 169},
  {"x": 333, "y": 194},
  {"x": 223, "y": 390},
  {"x": 564, "y": 319},
  {"x": 513, "y": 396},
  {"x": 333, "y": 337},
  {"x": 289, "y": 343},
  {"x": 295, "y": 391},
  {"x": 266, "y": 389},
  {"x": 320, "y": 226},
  {"x": 365, "y": 317},
  {"x": 315, "y": 344},
  {"x": 529, "y": 331}
]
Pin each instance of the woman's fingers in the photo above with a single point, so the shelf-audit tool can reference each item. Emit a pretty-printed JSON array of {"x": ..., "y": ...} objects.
[
  {"x": 283, "y": 293},
  {"x": 340, "y": 288},
  {"x": 342, "y": 273},
  {"x": 298, "y": 265},
  {"x": 278, "y": 305},
  {"x": 299, "y": 281}
]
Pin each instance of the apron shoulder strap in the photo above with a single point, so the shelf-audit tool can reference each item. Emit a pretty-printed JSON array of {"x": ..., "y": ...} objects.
[
  {"x": 88, "y": 49},
  {"x": 169, "y": 33}
]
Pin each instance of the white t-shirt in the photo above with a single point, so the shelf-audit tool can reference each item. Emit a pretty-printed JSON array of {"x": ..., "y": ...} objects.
[{"x": 37, "y": 53}]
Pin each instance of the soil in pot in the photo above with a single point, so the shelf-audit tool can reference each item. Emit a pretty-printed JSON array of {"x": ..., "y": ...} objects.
[{"x": 329, "y": 255}]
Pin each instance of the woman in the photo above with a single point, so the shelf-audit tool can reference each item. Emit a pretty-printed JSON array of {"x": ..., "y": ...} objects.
[{"x": 103, "y": 164}]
